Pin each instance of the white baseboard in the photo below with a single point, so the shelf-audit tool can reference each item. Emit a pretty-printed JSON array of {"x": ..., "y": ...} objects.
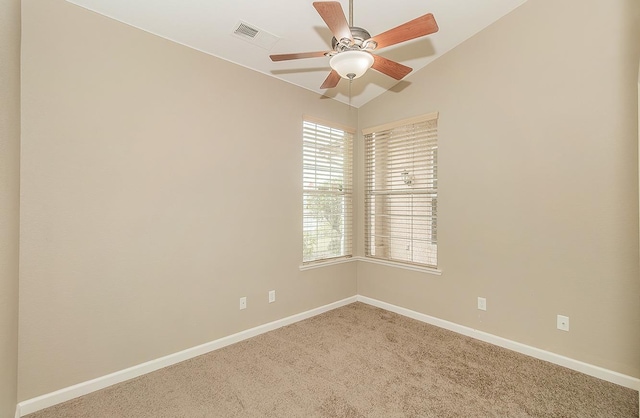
[
  {"x": 589, "y": 369},
  {"x": 45, "y": 401}
]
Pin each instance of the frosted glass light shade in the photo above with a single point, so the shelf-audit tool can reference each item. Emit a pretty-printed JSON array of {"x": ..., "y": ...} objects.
[{"x": 351, "y": 64}]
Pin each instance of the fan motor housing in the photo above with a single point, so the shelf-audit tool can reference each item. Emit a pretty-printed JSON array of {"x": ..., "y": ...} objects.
[{"x": 359, "y": 36}]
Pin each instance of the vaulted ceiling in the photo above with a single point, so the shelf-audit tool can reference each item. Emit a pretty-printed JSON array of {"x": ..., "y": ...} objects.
[{"x": 289, "y": 26}]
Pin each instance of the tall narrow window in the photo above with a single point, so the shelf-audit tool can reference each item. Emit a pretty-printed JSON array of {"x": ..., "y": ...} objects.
[
  {"x": 401, "y": 191},
  {"x": 327, "y": 190}
]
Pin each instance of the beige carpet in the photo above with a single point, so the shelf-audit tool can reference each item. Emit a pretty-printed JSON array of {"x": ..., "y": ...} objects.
[{"x": 358, "y": 361}]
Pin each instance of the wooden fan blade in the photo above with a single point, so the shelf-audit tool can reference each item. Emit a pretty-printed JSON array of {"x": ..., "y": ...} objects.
[
  {"x": 331, "y": 81},
  {"x": 284, "y": 57},
  {"x": 390, "y": 68},
  {"x": 421, "y": 26},
  {"x": 332, "y": 14}
]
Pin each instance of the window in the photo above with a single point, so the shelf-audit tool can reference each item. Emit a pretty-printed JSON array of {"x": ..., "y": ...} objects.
[
  {"x": 401, "y": 191},
  {"x": 327, "y": 189}
]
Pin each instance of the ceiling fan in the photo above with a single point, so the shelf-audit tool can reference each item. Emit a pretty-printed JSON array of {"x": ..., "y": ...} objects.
[{"x": 352, "y": 55}]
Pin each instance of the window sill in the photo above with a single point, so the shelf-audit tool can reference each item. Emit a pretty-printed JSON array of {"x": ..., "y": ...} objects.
[
  {"x": 318, "y": 264},
  {"x": 404, "y": 266},
  {"x": 411, "y": 267}
]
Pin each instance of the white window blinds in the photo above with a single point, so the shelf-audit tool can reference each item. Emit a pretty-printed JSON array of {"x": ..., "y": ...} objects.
[
  {"x": 401, "y": 191},
  {"x": 327, "y": 192}
]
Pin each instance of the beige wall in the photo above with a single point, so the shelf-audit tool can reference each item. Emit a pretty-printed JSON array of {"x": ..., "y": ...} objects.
[
  {"x": 538, "y": 166},
  {"x": 9, "y": 200},
  {"x": 159, "y": 186}
]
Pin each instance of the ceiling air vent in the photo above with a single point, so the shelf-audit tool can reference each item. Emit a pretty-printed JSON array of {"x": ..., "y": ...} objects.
[
  {"x": 246, "y": 30},
  {"x": 253, "y": 35}
]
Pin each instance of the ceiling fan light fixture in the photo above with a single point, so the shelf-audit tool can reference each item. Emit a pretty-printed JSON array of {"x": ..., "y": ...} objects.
[{"x": 351, "y": 64}]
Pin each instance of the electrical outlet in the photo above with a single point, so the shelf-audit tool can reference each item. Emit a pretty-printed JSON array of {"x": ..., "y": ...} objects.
[
  {"x": 482, "y": 304},
  {"x": 243, "y": 303},
  {"x": 272, "y": 296},
  {"x": 563, "y": 322}
]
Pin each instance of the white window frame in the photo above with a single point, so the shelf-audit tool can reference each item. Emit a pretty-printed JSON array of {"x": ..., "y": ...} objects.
[
  {"x": 327, "y": 201},
  {"x": 401, "y": 192}
]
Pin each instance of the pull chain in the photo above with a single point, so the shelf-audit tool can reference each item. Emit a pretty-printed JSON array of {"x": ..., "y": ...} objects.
[{"x": 350, "y": 25}]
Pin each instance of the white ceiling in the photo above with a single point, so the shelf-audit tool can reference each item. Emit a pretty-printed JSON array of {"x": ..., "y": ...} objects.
[{"x": 208, "y": 25}]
